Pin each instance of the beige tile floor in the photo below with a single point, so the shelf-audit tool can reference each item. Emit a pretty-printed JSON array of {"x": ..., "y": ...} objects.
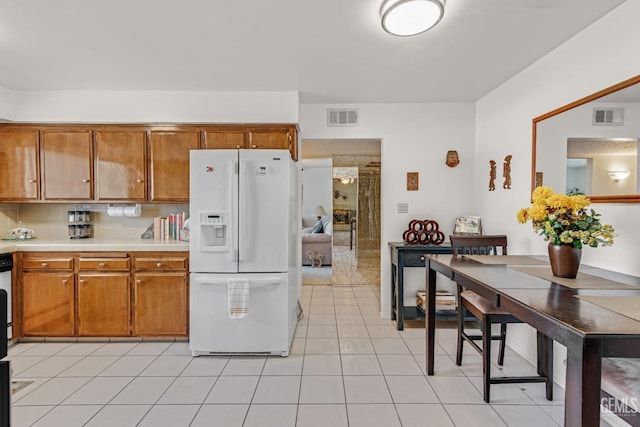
[{"x": 348, "y": 367}]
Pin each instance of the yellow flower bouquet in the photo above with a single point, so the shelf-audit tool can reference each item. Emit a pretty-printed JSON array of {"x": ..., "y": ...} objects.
[{"x": 564, "y": 219}]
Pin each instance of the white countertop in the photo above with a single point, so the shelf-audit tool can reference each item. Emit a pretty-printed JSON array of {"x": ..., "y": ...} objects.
[{"x": 92, "y": 244}]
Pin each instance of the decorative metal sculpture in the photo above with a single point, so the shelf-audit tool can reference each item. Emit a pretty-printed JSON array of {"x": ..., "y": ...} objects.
[
  {"x": 425, "y": 232},
  {"x": 506, "y": 173},
  {"x": 492, "y": 176},
  {"x": 452, "y": 158}
]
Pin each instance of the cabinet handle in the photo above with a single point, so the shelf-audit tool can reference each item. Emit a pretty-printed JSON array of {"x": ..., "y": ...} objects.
[
  {"x": 138, "y": 282},
  {"x": 140, "y": 180},
  {"x": 254, "y": 146},
  {"x": 32, "y": 181},
  {"x": 159, "y": 264},
  {"x": 44, "y": 265},
  {"x": 422, "y": 258},
  {"x": 238, "y": 146},
  {"x": 85, "y": 180},
  {"x": 81, "y": 281},
  {"x": 65, "y": 281},
  {"x": 101, "y": 264}
]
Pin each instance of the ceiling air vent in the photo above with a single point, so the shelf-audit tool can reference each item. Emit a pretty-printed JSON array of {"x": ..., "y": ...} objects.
[
  {"x": 342, "y": 117},
  {"x": 608, "y": 116}
]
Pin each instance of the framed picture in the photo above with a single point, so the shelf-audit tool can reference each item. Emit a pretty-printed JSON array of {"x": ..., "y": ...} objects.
[
  {"x": 412, "y": 181},
  {"x": 538, "y": 179},
  {"x": 468, "y": 225}
]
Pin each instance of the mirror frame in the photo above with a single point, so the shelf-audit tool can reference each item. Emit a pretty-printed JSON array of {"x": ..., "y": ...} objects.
[{"x": 624, "y": 198}]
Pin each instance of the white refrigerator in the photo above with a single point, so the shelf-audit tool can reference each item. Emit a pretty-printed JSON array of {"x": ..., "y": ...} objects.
[{"x": 245, "y": 224}]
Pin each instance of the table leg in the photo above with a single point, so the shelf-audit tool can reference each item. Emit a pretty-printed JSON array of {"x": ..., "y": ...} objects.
[
  {"x": 394, "y": 286},
  {"x": 582, "y": 394},
  {"x": 400, "y": 298},
  {"x": 545, "y": 361},
  {"x": 430, "y": 317}
]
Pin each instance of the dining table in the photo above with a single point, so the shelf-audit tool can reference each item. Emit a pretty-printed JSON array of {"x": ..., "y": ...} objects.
[{"x": 594, "y": 315}]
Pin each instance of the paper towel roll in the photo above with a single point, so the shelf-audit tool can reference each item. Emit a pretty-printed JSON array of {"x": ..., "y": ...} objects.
[
  {"x": 132, "y": 211},
  {"x": 115, "y": 211},
  {"x": 124, "y": 211}
]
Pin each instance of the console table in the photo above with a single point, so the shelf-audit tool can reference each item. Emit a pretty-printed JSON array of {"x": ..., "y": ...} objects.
[{"x": 405, "y": 255}]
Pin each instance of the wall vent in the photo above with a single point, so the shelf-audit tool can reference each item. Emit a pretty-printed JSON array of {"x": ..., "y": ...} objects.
[
  {"x": 608, "y": 116},
  {"x": 342, "y": 117}
]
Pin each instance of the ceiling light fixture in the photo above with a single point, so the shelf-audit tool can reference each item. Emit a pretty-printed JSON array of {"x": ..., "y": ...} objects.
[
  {"x": 618, "y": 175},
  {"x": 410, "y": 17}
]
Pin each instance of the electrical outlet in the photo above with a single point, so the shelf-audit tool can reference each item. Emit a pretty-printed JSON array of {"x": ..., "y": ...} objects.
[{"x": 403, "y": 207}]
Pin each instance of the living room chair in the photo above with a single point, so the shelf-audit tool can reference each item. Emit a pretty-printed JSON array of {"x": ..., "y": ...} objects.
[{"x": 487, "y": 314}]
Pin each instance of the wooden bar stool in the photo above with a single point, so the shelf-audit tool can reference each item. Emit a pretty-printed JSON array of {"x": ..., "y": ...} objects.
[{"x": 487, "y": 314}]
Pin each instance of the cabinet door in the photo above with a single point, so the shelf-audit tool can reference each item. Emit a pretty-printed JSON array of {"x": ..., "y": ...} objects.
[
  {"x": 224, "y": 139},
  {"x": 121, "y": 160},
  {"x": 47, "y": 304},
  {"x": 270, "y": 139},
  {"x": 169, "y": 172},
  {"x": 160, "y": 304},
  {"x": 103, "y": 304},
  {"x": 19, "y": 159},
  {"x": 67, "y": 168}
]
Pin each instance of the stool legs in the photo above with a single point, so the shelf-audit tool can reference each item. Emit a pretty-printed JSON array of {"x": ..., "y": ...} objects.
[
  {"x": 460, "y": 332},
  {"x": 486, "y": 356},
  {"x": 503, "y": 339}
]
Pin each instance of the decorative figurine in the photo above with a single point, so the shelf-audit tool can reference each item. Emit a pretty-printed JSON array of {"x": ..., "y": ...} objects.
[
  {"x": 506, "y": 173},
  {"x": 492, "y": 176},
  {"x": 452, "y": 158}
]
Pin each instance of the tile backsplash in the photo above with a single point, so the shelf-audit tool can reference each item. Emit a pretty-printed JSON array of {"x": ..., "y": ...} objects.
[{"x": 50, "y": 220}]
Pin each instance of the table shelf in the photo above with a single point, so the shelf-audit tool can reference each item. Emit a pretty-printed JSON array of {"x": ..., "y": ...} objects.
[{"x": 404, "y": 255}]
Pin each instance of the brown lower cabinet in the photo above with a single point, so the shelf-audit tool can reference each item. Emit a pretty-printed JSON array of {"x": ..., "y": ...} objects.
[
  {"x": 92, "y": 294},
  {"x": 104, "y": 307},
  {"x": 48, "y": 304},
  {"x": 160, "y": 304}
]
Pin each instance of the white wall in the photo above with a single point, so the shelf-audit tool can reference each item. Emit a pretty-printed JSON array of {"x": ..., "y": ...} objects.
[
  {"x": 156, "y": 106},
  {"x": 6, "y": 104},
  {"x": 602, "y": 55},
  {"x": 415, "y": 138},
  {"x": 316, "y": 186}
]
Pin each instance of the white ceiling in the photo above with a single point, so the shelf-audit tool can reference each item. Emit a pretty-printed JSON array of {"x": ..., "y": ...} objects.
[{"x": 328, "y": 50}]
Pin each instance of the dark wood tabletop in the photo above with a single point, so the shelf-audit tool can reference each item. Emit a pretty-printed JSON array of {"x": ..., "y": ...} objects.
[{"x": 589, "y": 331}]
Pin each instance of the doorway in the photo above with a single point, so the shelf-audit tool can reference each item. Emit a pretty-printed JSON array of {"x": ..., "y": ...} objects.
[{"x": 354, "y": 207}]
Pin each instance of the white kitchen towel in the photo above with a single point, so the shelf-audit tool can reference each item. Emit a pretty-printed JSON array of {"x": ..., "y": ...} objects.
[{"x": 238, "y": 294}]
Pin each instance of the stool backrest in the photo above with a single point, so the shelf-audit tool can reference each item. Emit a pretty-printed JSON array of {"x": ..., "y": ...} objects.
[{"x": 478, "y": 245}]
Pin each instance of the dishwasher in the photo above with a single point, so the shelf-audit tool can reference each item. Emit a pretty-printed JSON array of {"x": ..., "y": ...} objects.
[{"x": 6, "y": 265}]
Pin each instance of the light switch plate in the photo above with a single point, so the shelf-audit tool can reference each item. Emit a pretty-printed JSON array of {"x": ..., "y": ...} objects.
[{"x": 403, "y": 207}]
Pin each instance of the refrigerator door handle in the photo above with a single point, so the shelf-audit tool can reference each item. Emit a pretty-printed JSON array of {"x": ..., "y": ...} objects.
[
  {"x": 252, "y": 282},
  {"x": 245, "y": 212},
  {"x": 233, "y": 211}
]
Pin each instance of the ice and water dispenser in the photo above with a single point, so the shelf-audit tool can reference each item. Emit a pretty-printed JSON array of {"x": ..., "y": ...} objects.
[{"x": 214, "y": 231}]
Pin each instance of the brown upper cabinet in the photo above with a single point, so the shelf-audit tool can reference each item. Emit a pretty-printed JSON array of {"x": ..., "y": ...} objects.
[
  {"x": 20, "y": 169},
  {"x": 264, "y": 137},
  {"x": 224, "y": 139},
  {"x": 169, "y": 172},
  {"x": 118, "y": 162},
  {"x": 121, "y": 165},
  {"x": 67, "y": 165}
]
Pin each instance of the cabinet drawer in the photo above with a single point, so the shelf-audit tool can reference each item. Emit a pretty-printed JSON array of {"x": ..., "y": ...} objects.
[
  {"x": 414, "y": 259},
  {"x": 46, "y": 263},
  {"x": 162, "y": 263},
  {"x": 105, "y": 264}
]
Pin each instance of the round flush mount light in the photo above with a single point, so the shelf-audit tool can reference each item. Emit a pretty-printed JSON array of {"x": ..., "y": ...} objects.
[{"x": 410, "y": 17}]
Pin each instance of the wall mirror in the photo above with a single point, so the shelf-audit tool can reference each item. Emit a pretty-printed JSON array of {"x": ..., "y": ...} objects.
[{"x": 591, "y": 146}]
